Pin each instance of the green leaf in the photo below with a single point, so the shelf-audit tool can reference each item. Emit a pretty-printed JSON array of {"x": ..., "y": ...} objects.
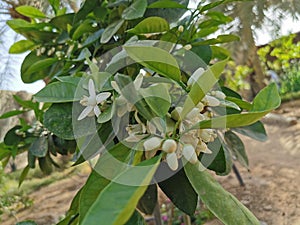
[
  {"x": 155, "y": 59},
  {"x": 110, "y": 31},
  {"x": 63, "y": 21},
  {"x": 84, "y": 28},
  {"x": 213, "y": 5},
  {"x": 59, "y": 92},
  {"x": 39, "y": 147},
  {"x": 219, "y": 40},
  {"x": 219, "y": 160},
  {"x": 23, "y": 175},
  {"x": 40, "y": 65},
  {"x": 203, "y": 85},
  {"x": 96, "y": 182},
  {"x": 177, "y": 187},
  {"x": 220, "y": 202},
  {"x": 241, "y": 103},
  {"x": 58, "y": 120},
  {"x": 148, "y": 201},
  {"x": 21, "y": 46},
  {"x": 135, "y": 10},
  {"x": 55, "y": 5},
  {"x": 12, "y": 113},
  {"x": 266, "y": 100},
  {"x": 151, "y": 25},
  {"x": 85, "y": 9},
  {"x": 117, "y": 201},
  {"x": 158, "y": 98},
  {"x": 11, "y": 138},
  {"x": 236, "y": 145},
  {"x": 219, "y": 52},
  {"x": 256, "y": 131},
  {"x": 166, "y": 4},
  {"x": 30, "y": 11}
]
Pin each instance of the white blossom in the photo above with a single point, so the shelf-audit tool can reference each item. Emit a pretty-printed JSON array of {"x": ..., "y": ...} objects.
[
  {"x": 172, "y": 161},
  {"x": 92, "y": 101},
  {"x": 189, "y": 153},
  {"x": 195, "y": 76}
]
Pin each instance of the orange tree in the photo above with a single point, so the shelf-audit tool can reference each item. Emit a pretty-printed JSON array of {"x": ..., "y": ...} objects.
[{"x": 135, "y": 83}]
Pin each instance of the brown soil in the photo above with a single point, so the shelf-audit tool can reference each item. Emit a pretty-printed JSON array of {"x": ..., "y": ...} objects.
[{"x": 272, "y": 190}]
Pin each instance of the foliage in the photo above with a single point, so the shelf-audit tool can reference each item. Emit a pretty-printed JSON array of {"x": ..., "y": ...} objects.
[
  {"x": 282, "y": 56},
  {"x": 130, "y": 82}
]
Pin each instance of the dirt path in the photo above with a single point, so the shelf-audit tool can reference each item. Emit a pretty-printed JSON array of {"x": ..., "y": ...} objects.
[{"x": 272, "y": 190}]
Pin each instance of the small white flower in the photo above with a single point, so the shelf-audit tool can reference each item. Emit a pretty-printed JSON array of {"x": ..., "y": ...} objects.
[
  {"x": 195, "y": 76},
  {"x": 172, "y": 161},
  {"x": 218, "y": 94},
  {"x": 202, "y": 147},
  {"x": 92, "y": 102},
  {"x": 207, "y": 135},
  {"x": 210, "y": 101},
  {"x": 189, "y": 153},
  {"x": 169, "y": 146},
  {"x": 152, "y": 143}
]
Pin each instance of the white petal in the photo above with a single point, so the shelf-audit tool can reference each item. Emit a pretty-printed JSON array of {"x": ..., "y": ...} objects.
[
  {"x": 211, "y": 101},
  {"x": 102, "y": 97},
  {"x": 138, "y": 81},
  {"x": 172, "y": 161},
  {"x": 115, "y": 86},
  {"x": 92, "y": 91},
  {"x": 97, "y": 110},
  {"x": 85, "y": 112},
  {"x": 189, "y": 153},
  {"x": 220, "y": 94},
  {"x": 152, "y": 143},
  {"x": 195, "y": 76}
]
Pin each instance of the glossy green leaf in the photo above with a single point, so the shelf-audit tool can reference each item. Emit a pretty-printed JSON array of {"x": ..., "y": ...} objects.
[
  {"x": 29, "y": 75},
  {"x": 110, "y": 31},
  {"x": 11, "y": 113},
  {"x": 166, "y": 4},
  {"x": 39, "y": 147},
  {"x": 11, "y": 138},
  {"x": 218, "y": 40},
  {"x": 84, "y": 28},
  {"x": 219, "y": 52},
  {"x": 58, "y": 92},
  {"x": 213, "y": 5},
  {"x": 241, "y": 103},
  {"x": 236, "y": 145},
  {"x": 117, "y": 201},
  {"x": 30, "y": 11},
  {"x": 85, "y": 9},
  {"x": 151, "y": 25},
  {"x": 220, "y": 202},
  {"x": 135, "y": 10},
  {"x": 97, "y": 182},
  {"x": 219, "y": 160},
  {"x": 55, "y": 5},
  {"x": 218, "y": 16},
  {"x": 23, "y": 175},
  {"x": 266, "y": 100},
  {"x": 203, "y": 85},
  {"x": 158, "y": 98},
  {"x": 63, "y": 21},
  {"x": 177, "y": 187},
  {"x": 21, "y": 46},
  {"x": 41, "y": 64},
  {"x": 148, "y": 201},
  {"x": 256, "y": 131},
  {"x": 155, "y": 59},
  {"x": 58, "y": 120}
]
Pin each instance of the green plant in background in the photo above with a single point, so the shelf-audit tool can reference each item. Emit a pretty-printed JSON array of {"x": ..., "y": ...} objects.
[
  {"x": 282, "y": 56},
  {"x": 130, "y": 82}
]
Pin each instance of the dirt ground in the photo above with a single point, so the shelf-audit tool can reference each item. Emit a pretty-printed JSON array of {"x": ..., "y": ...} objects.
[{"x": 272, "y": 190}]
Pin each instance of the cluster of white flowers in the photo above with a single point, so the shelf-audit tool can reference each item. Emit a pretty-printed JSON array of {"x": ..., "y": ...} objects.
[{"x": 176, "y": 142}]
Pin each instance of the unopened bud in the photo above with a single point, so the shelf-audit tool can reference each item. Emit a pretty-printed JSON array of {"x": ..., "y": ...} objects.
[
  {"x": 189, "y": 153},
  {"x": 180, "y": 28},
  {"x": 187, "y": 47},
  {"x": 169, "y": 146},
  {"x": 152, "y": 143}
]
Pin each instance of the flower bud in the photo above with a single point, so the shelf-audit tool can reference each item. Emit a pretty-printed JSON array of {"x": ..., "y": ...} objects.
[
  {"x": 152, "y": 143},
  {"x": 172, "y": 161},
  {"x": 169, "y": 146},
  {"x": 220, "y": 95},
  {"x": 195, "y": 76},
  {"x": 206, "y": 135},
  {"x": 189, "y": 153},
  {"x": 187, "y": 47},
  {"x": 180, "y": 28},
  {"x": 210, "y": 101}
]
